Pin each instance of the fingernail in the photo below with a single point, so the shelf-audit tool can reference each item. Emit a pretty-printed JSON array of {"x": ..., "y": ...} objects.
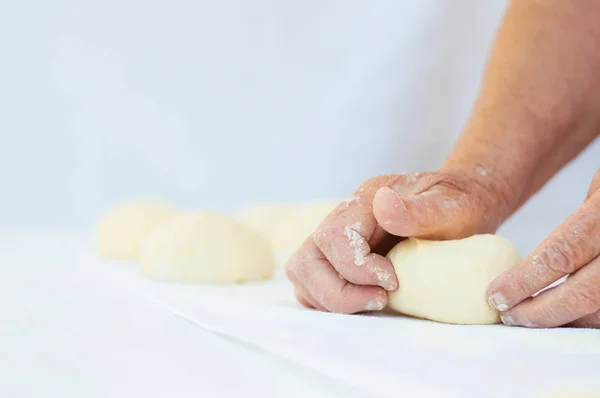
[
  {"x": 392, "y": 195},
  {"x": 498, "y": 301},
  {"x": 508, "y": 320},
  {"x": 389, "y": 191},
  {"x": 374, "y": 305}
]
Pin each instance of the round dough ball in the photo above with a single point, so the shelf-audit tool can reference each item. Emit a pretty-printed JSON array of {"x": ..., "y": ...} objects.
[
  {"x": 265, "y": 217},
  {"x": 121, "y": 232},
  {"x": 206, "y": 247},
  {"x": 291, "y": 232},
  {"x": 446, "y": 281}
]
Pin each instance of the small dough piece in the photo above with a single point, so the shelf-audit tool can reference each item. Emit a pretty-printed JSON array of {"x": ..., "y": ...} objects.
[
  {"x": 446, "y": 281},
  {"x": 291, "y": 232},
  {"x": 121, "y": 232},
  {"x": 206, "y": 247},
  {"x": 287, "y": 225},
  {"x": 265, "y": 217}
]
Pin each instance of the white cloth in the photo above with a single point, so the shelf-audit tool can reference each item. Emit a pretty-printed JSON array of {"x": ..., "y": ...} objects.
[{"x": 73, "y": 326}]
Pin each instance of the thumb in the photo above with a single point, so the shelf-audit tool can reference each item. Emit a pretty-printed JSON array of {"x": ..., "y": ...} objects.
[
  {"x": 595, "y": 186},
  {"x": 439, "y": 213}
]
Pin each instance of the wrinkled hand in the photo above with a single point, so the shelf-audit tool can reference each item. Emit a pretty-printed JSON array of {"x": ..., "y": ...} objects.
[
  {"x": 342, "y": 266},
  {"x": 572, "y": 249}
]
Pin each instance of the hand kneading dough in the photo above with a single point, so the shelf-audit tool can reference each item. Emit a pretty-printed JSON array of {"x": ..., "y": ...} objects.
[
  {"x": 122, "y": 231},
  {"x": 206, "y": 247},
  {"x": 446, "y": 281}
]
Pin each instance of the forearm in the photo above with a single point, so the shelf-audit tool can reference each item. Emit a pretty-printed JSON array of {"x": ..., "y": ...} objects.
[{"x": 539, "y": 104}]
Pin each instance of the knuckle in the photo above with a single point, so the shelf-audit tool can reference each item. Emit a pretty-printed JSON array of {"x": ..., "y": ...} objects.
[
  {"x": 343, "y": 300},
  {"x": 560, "y": 257},
  {"x": 291, "y": 266},
  {"x": 595, "y": 320},
  {"x": 523, "y": 288},
  {"x": 370, "y": 186},
  {"x": 323, "y": 235},
  {"x": 289, "y": 271},
  {"x": 298, "y": 271},
  {"x": 585, "y": 298},
  {"x": 346, "y": 273},
  {"x": 335, "y": 304}
]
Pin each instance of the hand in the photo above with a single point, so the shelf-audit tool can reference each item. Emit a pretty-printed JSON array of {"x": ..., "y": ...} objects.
[
  {"x": 342, "y": 266},
  {"x": 574, "y": 250}
]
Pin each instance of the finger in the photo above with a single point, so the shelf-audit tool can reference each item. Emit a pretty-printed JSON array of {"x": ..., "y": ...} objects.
[
  {"x": 302, "y": 294},
  {"x": 577, "y": 298},
  {"x": 307, "y": 300},
  {"x": 566, "y": 250},
  {"x": 595, "y": 186},
  {"x": 344, "y": 245},
  {"x": 591, "y": 321},
  {"x": 352, "y": 241},
  {"x": 438, "y": 212},
  {"x": 343, "y": 238},
  {"x": 328, "y": 288},
  {"x": 303, "y": 301}
]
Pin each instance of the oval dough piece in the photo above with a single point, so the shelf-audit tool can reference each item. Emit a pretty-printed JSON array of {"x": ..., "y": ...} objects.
[
  {"x": 206, "y": 247},
  {"x": 121, "y": 232},
  {"x": 446, "y": 281}
]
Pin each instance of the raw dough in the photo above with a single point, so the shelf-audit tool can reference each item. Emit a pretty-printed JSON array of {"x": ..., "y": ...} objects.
[
  {"x": 286, "y": 225},
  {"x": 206, "y": 247},
  {"x": 291, "y": 232},
  {"x": 120, "y": 233},
  {"x": 446, "y": 281},
  {"x": 265, "y": 217}
]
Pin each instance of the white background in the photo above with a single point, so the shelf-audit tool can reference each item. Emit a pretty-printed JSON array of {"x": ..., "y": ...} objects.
[{"x": 211, "y": 104}]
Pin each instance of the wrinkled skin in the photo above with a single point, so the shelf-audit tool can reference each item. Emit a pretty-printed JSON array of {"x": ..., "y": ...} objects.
[
  {"x": 572, "y": 249},
  {"x": 342, "y": 267},
  {"x": 538, "y": 107}
]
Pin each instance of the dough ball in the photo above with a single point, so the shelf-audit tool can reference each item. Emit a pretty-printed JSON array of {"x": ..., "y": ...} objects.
[
  {"x": 206, "y": 247},
  {"x": 265, "y": 217},
  {"x": 446, "y": 281},
  {"x": 291, "y": 232},
  {"x": 286, "y": 225},
  {"x": 120, "y": 233}
]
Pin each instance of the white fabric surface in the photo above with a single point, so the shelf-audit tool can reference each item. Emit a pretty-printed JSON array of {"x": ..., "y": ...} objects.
[
  {"x": 385, "y": 355},
  {"x": 74, "y": 326},
  {"x": 65, "y": 332}
]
